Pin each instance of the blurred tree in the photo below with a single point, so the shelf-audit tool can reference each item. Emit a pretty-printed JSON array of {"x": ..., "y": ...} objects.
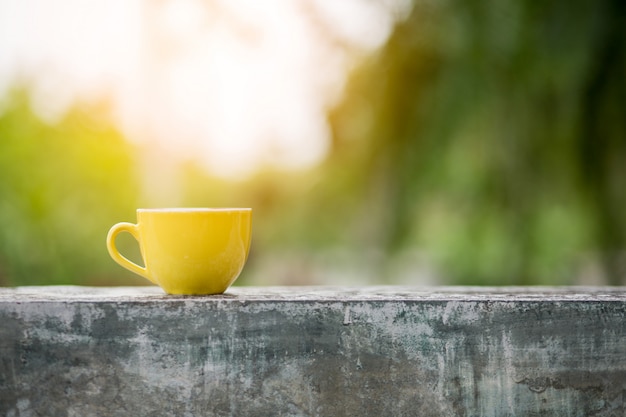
[
  {"x": 488, "y": 135},
  {"x": 493, "y": 136},
  {"x": 602, "y": 137},
  {"x": 61, "y": 187}
]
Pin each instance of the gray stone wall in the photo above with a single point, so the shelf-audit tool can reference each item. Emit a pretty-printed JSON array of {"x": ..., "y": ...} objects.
[{"x": 375, "y": 351}]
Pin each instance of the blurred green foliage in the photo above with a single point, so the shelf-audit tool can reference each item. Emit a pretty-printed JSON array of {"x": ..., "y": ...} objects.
[
  {"x": 496, "y": 135},
  {"x": 61, "y": 188},
  {"x": 485, "y": 141}
]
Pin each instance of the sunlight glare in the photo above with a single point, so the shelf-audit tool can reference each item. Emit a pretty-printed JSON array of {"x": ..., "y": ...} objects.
[{"x": 237, "y": 85}]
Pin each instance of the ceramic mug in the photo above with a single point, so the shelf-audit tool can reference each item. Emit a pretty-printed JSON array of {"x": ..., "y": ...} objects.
[{"x": 190, "y": 251}]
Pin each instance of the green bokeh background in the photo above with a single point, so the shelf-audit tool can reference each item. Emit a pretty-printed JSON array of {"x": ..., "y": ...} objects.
[{"x": 484, "y": 143}]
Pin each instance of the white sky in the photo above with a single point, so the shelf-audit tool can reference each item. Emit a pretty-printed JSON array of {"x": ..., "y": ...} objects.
[{"x": 237, "y": 84}]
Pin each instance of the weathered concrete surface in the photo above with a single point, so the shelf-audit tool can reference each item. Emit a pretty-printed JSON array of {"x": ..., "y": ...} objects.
[{"x": 69, "y": 351}]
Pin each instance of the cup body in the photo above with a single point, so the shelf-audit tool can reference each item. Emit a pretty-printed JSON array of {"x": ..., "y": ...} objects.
[{"x": 190, "y": 251}]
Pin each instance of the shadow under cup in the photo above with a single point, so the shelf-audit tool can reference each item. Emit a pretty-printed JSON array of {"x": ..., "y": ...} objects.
[{"x": 188, "y": 251}]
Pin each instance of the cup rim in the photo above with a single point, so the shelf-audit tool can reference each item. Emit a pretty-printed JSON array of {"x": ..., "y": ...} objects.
[{"x": 193, "y": 209}]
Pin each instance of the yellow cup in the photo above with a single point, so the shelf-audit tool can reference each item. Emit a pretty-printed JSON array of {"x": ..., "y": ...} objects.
[{"x": 188, "y": 250}]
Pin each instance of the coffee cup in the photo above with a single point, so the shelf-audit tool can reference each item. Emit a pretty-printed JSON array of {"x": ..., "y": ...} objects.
[{"x": 191, "y": 251}]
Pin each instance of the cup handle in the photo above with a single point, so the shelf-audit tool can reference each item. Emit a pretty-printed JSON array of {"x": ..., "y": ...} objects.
[{"x": 121, "y": 259}]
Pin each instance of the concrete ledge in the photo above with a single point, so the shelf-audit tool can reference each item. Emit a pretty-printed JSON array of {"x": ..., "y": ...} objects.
[{"x": 375, "y": 351}]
